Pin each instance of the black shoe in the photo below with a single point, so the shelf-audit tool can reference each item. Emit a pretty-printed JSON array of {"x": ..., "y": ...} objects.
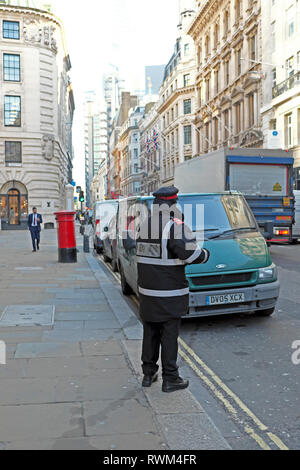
[
  {"x": 33, "y": 251},
  {"x": 149, "y": 380},
  {"x": 174, "y": 385}
]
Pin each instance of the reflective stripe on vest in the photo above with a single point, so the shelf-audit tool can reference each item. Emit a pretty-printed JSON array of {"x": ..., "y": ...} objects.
[
  {"x": 160, "y": 262},
  {"x": 164, "y": 293}
]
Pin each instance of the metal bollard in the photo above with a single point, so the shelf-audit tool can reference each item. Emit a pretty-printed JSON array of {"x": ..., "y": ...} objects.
[{"x": 86, "y": 244}]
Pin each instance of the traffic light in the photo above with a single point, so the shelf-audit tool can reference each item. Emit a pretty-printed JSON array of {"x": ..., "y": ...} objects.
[{"x": 81, "y": 197}]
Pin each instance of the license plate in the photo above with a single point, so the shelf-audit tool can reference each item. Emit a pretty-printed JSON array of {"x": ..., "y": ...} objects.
[{"x": 223, "y": 299}]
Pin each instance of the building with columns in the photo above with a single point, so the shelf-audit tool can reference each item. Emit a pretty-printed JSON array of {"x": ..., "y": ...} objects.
[
  {"x": 228, "y": 41},
  {"x": 37, "y": 106},
  {"x": 281, "y": 67},
  {"x": 130, "y": 148},
  {"x": 177, "y": 105}
]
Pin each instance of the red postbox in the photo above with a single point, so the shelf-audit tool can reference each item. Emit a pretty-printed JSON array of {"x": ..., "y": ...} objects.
[{"x": 67, "y": 250}]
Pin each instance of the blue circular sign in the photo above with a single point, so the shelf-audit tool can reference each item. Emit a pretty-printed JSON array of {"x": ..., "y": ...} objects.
[{"x": 275, "y": 133}]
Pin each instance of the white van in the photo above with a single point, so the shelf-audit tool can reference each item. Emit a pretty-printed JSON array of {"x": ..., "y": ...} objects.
[
  {"x": 104, "y": 212},
  {"x": 296, "y": 227}
]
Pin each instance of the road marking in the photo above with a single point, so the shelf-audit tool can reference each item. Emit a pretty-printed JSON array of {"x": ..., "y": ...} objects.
[
  {"x": 231, "y": 410},
  {"x": 220, "y": 396},
  {"x": 221, "y": 384},
  {"x": 277, "y": 441}
]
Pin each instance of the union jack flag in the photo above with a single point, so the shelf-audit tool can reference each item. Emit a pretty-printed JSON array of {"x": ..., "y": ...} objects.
[
  {"x": 148, "y": 142},
  {"x": 155, "y": 138}
]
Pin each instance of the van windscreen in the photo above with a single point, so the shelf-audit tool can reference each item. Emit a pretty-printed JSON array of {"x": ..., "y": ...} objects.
[{"x": 216, "y": 213}]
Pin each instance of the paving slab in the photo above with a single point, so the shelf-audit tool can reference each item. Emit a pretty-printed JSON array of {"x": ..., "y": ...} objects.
[
  {"x": 118, "y": 417},
  {"x": 84, "y": 315},
  {"x": 102, "y": 348},
  {"x": 30, "y": 350},
  {"x": 41, "y": 421},
  {"x": 114, "y": 442},
  {"x": 20, "y": 315},
  {"x": 75, "y": 336},
  {"x": 14, "y": 368},
  {"x": 26, "y": 391},
  {"x": 111, "y": 385},
  {"x": 68, "y": 366}
]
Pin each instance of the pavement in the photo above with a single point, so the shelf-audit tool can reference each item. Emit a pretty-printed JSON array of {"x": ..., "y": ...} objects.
[{"x": 73, "y": 373}]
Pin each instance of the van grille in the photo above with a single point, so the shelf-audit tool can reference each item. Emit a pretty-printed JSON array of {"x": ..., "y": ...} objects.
[{"x": 222, "y": 279}]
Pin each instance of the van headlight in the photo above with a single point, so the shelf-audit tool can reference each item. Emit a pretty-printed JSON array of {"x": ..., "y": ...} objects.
[{"x": 268, "y": 274}]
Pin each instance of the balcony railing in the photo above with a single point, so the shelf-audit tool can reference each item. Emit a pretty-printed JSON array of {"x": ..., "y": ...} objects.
[{"x": 288, "y": 84}]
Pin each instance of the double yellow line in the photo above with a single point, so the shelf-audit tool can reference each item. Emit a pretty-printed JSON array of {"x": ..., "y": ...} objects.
[
  {"x": 233, "y": 404},
  {"x": 237, "y": 409}
]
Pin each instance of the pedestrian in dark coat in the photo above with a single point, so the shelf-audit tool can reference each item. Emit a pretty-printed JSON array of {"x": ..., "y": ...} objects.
[
  {"x": 165, "y": 246},
  {"x": 34, "y": 224}
]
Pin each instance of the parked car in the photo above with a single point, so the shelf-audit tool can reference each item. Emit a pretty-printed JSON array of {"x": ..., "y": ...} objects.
[
  {"x": 104, "y": 212},
  {"x": 239, "y": 277}
]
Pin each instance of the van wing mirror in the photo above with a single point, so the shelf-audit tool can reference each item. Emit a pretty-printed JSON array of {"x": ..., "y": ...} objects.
[
  {"x": 128, "y": 242},
  {"x": 268, "y": 230}
]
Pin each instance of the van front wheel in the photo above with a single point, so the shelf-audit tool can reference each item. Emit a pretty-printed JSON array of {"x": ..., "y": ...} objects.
[
  {"x": 266, "y": 313},
  {"x": 126, "y": 289}
]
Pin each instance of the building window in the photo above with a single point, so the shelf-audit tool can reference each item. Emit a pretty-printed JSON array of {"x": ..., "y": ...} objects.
[
  {"x": 186, "y": 80},
  {"x": 187, "y": 135},
  {"x": 226, "y": 124},
  {"x": 11, "y": 67},
  {"x": 217, "y": 74},
  {"x": 226, "y": 70},
  {"x": 289, "y": 65},
  {"x": 216, "y": 131},
  {"x": 11, "y": 30},
  {"x": 226, "y": 22},
  {"x": 290, "y": 22},
  {"x": 252, "y": 49},
  {"x": 216, "y": 35},
  {"x": 13, "y": 152},
  {"x": 274, "y": 78},
  {"x": 186, "y": 49},
  {"x": 238, "y": 118},
  {"x": 239, "y": 62},
  {"x": 289, "y": 130},
  {"x": 273, "y": 36},
  {"x": 12, "y": 111},
  {"x": 187, "y": 106},
  {"x": 238, "y": 10},
  {"x": 251, "y": 110},
  {"x": 207, "y": 45},
  {"x": 207, "y": 82}
]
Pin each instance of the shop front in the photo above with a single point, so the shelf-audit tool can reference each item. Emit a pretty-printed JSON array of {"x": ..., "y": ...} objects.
[{"x": 13, "y": 206}]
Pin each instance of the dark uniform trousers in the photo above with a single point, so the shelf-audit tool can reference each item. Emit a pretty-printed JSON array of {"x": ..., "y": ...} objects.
[{"x": 164, "y": 335}]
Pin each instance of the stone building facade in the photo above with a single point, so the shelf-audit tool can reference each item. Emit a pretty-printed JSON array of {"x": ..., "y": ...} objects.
[
  {"x": 130, "y": 148},
  {"x": 177, "y": 105},
  {"x": 281, "y": 67},
  {"x": 37, "y": 107},
  {"x": 228, "y": 40}
]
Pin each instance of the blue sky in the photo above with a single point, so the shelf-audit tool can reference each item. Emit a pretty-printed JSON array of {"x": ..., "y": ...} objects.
[{"x": 131, "y": 33}]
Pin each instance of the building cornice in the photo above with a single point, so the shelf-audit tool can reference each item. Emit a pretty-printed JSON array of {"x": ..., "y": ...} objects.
[
  {"x": 174, "y": 96},
  {"x": 33, "y": 11}
]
